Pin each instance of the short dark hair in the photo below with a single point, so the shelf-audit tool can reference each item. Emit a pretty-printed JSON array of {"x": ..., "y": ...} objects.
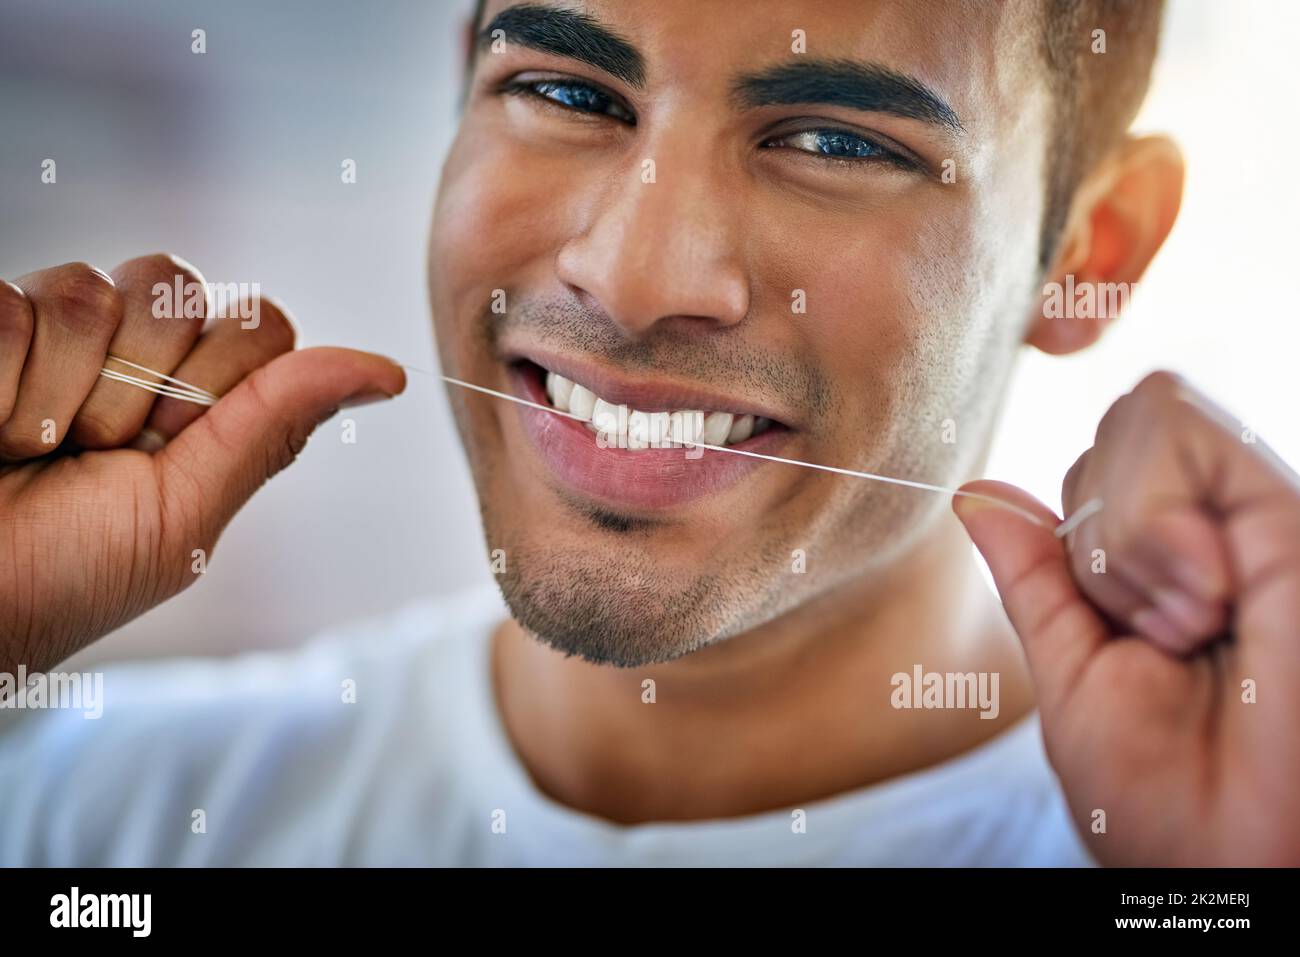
[{"x": 1096, "y": 94}]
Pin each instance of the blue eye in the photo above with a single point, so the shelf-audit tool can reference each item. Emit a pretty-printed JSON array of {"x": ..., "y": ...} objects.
[
  {"x": 836, "y": 144},
  {"x": 579, "y": 97},
  {"x": 839, "y": 143}
]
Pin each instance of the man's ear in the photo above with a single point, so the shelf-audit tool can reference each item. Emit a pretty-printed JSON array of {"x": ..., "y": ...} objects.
[{"x": 1120, "y": 217}]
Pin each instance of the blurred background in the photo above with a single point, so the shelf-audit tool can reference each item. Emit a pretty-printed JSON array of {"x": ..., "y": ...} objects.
[{"x": 231, "y": 159}]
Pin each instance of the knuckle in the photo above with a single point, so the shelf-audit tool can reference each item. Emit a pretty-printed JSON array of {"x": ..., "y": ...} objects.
[
  {"x": 1114, "y": 418},
  {"x": 83, "y": 296},
  {"x": 1160, "y": 384},
  {"x": 84, "y": 283},
  {"x": 1155, "y": 398},
  {"x": 276, "y": 329},
  {"x": 1158, "y": 396},
  {"x": 15, "y": 312},
  {"x": 170, "y": 286},
  {"x": 156, "y": 274},
  {"x": 155, "y": 266},
  {"x": 1070, "y": 484}
]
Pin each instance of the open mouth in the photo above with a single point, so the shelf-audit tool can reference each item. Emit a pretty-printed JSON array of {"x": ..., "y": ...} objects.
[{"x": 637, "y": 443}]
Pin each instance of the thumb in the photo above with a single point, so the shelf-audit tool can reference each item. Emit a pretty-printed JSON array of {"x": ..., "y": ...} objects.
[
  {"x": 1057, "y": 626},
  {"x": 215, "y": 464}
]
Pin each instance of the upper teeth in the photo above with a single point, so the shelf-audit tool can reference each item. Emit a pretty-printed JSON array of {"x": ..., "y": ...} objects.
[{"x": 632, "y": 429}]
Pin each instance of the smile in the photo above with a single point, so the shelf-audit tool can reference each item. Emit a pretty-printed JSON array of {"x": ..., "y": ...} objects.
[
  {"x": 624, "y": 428},
  {"x": 631, "y": 443}
]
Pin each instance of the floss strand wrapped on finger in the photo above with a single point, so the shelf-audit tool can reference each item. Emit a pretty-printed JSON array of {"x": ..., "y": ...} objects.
[{"x": 177, "y": 390}]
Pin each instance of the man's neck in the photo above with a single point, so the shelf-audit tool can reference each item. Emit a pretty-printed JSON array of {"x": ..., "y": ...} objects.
[{"x": 799, "y": 709}]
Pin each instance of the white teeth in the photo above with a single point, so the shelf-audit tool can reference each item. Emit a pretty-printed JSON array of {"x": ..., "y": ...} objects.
[
  {"x": 638, "y": 430},
  {"x": 559, "y": 389},
  {"x": 581, "y": 402},
  {"x": 659, "y": 424},
  {"x": 741, "y": 429},
  {"x": 621, "y": 427},
  {"x": 684, "y": 427},
  {"x": 607, "y": 418},
  {"x": 716, "y": 427}
]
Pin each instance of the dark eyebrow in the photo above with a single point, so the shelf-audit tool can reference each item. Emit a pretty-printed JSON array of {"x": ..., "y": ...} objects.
[
  {"x": 847, "y": 83},
  {"x": 568, "y": 34}
]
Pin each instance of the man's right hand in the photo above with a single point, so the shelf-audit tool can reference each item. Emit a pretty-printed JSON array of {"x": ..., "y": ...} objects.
[{"x": 110, "y": 496}]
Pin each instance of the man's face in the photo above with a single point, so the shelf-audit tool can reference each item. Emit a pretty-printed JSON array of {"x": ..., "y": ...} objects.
[{"x": 823, "y": 214}]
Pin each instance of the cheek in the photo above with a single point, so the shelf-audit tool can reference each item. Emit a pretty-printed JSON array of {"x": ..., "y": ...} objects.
[
  {"x": 494, "y": 221},
  {"x": 884, "y": 312},
  {"x": 899, "y": 317}
]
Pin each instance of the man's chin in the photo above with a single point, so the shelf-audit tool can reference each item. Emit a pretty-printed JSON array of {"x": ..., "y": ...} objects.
[
  {"x": 614, "y": 618},
  {"x": 619, "y": 587}
]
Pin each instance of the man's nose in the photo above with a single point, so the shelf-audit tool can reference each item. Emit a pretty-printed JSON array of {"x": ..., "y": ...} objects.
[{"x": 662, "y": 242}]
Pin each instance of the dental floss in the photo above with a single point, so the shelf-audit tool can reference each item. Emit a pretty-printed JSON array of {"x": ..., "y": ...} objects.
[
  {"x": 180, "y": 390},
  {"x": 1084, "y": 511},
  {"x": 190, "y": 393}
]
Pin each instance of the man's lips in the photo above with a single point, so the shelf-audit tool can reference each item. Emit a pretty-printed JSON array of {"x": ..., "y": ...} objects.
[
  {"x": 647, "y": 479},
  {"x": 657, "y": 395}
]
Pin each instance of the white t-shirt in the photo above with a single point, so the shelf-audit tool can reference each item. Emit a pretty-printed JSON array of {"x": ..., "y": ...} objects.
[{"x": 260, "y": 760}]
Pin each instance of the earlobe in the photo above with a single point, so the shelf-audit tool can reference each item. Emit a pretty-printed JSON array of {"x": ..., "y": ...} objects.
[{"x": 1121, "y": 216}]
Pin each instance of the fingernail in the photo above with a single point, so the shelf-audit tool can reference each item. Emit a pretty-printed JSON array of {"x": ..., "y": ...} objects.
[
  {"x": 1185, "y": 612},
  {"x": 364, "y": 398},
  {"x": 149, "y": 440},
  {"x": 1191, "y": 577},
  {"x": 965, "y": 505},
  {"x": 1156, "y": 625}
]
